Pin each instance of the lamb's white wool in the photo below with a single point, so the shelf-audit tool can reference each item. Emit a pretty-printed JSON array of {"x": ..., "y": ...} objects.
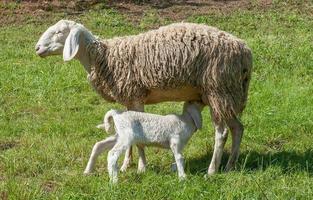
[{"x": 169, "y": 131}]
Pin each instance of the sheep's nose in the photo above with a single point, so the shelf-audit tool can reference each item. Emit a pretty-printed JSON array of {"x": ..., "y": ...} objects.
[{"x": 37, "y": 47}]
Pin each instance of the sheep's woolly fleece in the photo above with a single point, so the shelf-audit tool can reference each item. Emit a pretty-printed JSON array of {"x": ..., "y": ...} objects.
[{"x": 183, "y": 54}]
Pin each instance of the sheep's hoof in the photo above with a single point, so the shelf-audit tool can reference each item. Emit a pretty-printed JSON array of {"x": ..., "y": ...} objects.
[
  {"x": 229, "y": 168},
  {"x": 211, "y": 172},
  {"x": 231, "y": 165},
  {"x": 87, "y": 172}
]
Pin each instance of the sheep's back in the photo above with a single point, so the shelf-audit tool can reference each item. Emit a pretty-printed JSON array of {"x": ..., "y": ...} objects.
[{"x": 172, "y": 56}]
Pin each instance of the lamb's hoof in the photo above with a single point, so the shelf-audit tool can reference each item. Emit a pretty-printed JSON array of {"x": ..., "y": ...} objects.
[
  {"x": 123, "y": 168},
  {"x": 182, "y": 177},
  {"x": 113, "y": 181},
  {"x": 173, "y": 167},
  {"x": 141, "y": 170}
]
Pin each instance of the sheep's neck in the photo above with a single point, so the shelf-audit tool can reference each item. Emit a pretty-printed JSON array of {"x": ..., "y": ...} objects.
[
  {"x": 83, "y": 55},
  {"x": 85, "y": 60}
]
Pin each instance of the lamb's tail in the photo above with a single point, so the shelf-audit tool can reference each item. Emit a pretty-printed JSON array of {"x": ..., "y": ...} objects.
[{"x": 108, "y": 122}]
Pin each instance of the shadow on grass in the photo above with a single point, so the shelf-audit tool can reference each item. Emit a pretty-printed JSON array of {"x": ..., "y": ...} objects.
[{"x": 287, "y": 161}]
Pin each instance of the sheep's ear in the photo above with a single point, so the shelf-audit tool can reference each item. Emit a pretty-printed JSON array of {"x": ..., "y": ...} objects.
[
  {"x": 196, "y": 117},
  {"x": 101, "y": 126},
  {"x": 71, "y": 45}
]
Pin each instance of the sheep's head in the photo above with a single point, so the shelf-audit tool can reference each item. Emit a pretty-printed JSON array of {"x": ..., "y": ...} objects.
[{"x": 60, "y": 39}]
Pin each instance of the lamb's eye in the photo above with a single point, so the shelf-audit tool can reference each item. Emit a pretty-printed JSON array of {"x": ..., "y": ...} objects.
[{"x": 58, "y": 32}]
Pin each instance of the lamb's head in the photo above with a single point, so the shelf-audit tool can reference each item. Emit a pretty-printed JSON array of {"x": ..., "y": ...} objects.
[
  {"x": 194, "y": 108},
  {"x": 61, "y": 38}
]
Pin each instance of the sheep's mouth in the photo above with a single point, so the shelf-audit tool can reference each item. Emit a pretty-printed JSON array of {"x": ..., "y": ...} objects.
[
  {"x": 48, "y": 51},
  {"x": 41, "y": 50},
  {"x": 42, "y": 53}
]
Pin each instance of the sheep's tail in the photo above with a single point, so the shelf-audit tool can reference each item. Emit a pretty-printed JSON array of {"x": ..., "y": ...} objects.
[
  {"x": 229, "y": 91},
  {"x": 109, "y": 121}
]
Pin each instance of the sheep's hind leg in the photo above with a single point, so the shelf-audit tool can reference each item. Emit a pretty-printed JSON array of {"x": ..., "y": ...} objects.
[
  {"x": 220, "y": 140},
  {"x": 236, "y": 129},
  {"x": 97, "y": 149}
]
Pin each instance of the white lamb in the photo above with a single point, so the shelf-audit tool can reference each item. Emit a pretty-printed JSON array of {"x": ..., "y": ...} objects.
[{"x": 130, "y": 127}]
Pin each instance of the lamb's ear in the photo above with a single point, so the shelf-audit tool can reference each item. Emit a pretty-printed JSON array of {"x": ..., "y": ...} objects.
[
  {"x": 71, "y": 45},
  {"x": 101, "y": 126},
  {"x": 196, "y": 117}
]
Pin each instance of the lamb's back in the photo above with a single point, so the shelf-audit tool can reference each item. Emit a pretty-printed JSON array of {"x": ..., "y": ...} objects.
[{"x": 150, "y": 128}]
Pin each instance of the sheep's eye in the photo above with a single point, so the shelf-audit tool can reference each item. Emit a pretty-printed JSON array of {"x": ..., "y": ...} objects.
[{"x": 58, "y": 32}]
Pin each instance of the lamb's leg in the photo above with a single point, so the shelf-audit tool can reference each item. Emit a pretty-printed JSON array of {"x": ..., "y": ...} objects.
[
  {"x": 113, "y": 156},
  {"x": 97, "y": 149},
  {"x": 220, "y": 140},
  {"x": 127, "y": 159},
  {"x": 236, "y": 129},
  {"x": 176, "y": 149},
  {"x": 142, "y": 159},
  {"x": 139, "y": 107}
]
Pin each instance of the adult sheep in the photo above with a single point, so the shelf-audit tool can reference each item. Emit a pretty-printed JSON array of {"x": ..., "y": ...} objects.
[{"x": 178, "y": 62}]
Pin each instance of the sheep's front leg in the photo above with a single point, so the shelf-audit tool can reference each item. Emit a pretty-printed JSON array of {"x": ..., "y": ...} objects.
[
  {"x": 142, "y": 159},
  {"x": 176, "y": 149},
  {"x": 220, "y": 140},
  {"x": 134, "y": 106},
  {"x": 97, "y": 149}
]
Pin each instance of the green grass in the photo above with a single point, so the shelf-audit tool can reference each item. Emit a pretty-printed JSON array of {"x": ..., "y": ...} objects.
[{"x": 48, "y": 114}]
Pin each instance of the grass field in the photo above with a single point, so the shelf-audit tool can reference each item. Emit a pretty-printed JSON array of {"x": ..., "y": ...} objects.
[{"x": 48, "y": 114}]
